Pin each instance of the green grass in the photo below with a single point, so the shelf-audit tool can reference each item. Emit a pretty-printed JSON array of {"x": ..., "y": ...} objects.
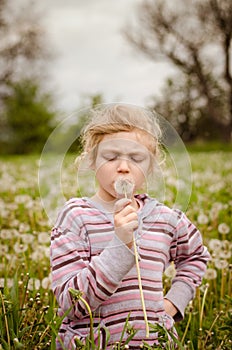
[{"x": 27, "y": 307}]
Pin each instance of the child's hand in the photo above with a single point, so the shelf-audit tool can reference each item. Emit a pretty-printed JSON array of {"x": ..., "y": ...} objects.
[
  {"x": 125, "y": 221},
  {"x": 169, "y": 308}
]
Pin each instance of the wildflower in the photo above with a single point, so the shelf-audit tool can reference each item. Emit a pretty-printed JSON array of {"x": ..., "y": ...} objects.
[
  {"x": 3, "y": 249},
  {"x": 46, "y": 282},
  {"x": 6, "y": 281},
  {"x": 22, "y": 198},
  {"x": 223, "y": 228},
  {"x": 220, "y": 264},
  {"x": 43, "y": 237},
  {"x": 210, "y": 274},
  {"x": 226, "y": 245},
  {"x": 33, "y": 284},
  {"x": 215, "y": 244},
  {"x": 23, "y": 227},
  {"x": 203, "y": 219},
  {"x": 124, "y": 187},
  {"x": 20, "y": 248},
  {"x": 8, "y": 233},
  {"x": 170, "y": 271},
  {"x": 40, "y": 253},
  {"x": 27, "y": 238}
]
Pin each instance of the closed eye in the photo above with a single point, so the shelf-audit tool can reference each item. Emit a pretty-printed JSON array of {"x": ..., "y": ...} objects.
[
  {"x": 110, "y": 157},
  {"x": 138, "y": 158}
]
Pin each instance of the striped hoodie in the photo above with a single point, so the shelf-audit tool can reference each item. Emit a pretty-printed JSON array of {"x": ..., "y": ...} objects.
[{"x": 87, "y": 255}]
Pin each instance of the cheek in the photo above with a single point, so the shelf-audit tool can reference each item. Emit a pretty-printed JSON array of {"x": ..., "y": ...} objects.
[{"x": 104, "y": 170}]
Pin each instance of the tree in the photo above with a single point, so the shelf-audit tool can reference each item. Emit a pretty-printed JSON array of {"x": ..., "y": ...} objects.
[
  {"x": 22, "y": 47},
  {"x": 25, "y": 112},
  {"x": 195, "y": 36},
  {"x": 29, "y": 118}
]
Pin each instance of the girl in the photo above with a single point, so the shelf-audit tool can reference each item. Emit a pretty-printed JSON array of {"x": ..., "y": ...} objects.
[{"x": 92, "y": 248}]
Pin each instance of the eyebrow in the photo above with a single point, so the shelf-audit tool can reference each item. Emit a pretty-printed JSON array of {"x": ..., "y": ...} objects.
[{"x": 117, "y": 151}]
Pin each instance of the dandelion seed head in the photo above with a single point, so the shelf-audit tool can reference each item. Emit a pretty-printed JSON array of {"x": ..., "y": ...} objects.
[
  {"x": 170, "y": 271},
  {"x": 43, "y": 237},
  {"x": 124, "y": 187},
  {"x": 223, "y": 228},
  {"x": 225, "y": 254},
  {"x": 202, "y": 219},
  {"x": 210, "y": 274},
  {"x": 20, "y": 248},
  {"x": 221, "y": 264},
  {"x": 215, "y": 244},
  {"x": 46, "y": 282}
]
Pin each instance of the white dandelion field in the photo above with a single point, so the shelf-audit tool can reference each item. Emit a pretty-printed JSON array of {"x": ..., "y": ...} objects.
[{"x": 28, "y": 317}]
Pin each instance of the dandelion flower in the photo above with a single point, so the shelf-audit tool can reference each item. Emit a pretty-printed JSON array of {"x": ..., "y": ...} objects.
[
  {"x": 44, "y": 237},
  {"x": 124, "y": 187},
  {"x": 33, "y": 284},
  {"x": 220, "y": 264},
  {"x": 215, "y": 244},
  {"x": 223, "y": 228},
  {"x": 170, "y": 271},
  {"x": 202, "y": 219},
  {"x": 3, "y": 249},
  {"x": 210, "y": 274},
  {"x": 225, "y": 254},
  {"x": 20, "y": 248},
  {"x": 46, "y": 282},
  {"x": 27, "y": 238}
]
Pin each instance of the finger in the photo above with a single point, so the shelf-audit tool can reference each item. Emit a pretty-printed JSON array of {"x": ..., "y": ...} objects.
[
  {"x": 126, "y": 221},
  {"x": 121, "y": 203}
]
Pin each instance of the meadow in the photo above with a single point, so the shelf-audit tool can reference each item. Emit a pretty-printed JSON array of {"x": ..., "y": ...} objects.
[{"x": 28, "y": 317}]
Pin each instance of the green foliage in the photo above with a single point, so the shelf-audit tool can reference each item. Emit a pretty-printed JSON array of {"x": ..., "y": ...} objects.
[
  {"x": 29, "y": 119},
  {"x": 28, "y": 318},
  {"x": 197, "y": 100}
]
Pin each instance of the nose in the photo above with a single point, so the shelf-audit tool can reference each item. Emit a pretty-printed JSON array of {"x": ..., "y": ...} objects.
[{"x": 123, "y": 165}]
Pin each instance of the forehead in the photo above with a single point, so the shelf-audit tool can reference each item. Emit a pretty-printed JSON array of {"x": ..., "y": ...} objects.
[{"x": 134, "y": 140}]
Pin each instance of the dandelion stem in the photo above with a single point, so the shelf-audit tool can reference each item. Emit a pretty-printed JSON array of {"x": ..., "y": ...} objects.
[
  {"x": 141, "y": 289},
  {"x": 78, "y": 295},
  {"x": 203, "y": 304},
  {"x": 5, "y": 317},
  {"x": 230, "y": 277},
  {"x": 222, "y": 285},
  {"x": 187, "y": 326},
  {"x": 212, "y": 325},
  {"x": 140, "y": 281}
]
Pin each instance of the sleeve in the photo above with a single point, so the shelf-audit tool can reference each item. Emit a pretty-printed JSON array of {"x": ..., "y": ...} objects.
[
  {"x": 190, "y": 257},
  {"x": 72, "y": 266}
]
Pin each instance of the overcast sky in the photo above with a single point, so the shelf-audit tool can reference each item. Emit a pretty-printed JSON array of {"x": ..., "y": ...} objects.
[{"x": 91, "y": 55}]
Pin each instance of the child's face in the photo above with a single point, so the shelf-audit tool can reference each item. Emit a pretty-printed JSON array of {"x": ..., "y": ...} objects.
[{"x": 121, "y": 155}]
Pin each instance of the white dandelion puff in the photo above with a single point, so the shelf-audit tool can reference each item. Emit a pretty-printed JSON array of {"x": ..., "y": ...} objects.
[
  {"x": 33, "y": 284},
  {"x": 20, "y": 248},
  {"x": 202, "y": 219},
  {"x": 27, "y": 238},
  {"x": 215, "y": 244},
  {"x": 220, "y": 264},
  {"x": 223, "y": 228},
  {"x": 44, "y": 237},
  {"x": 3, "y": 249},
  {"x": 225, "y": 254},
  {"x": 170, "y": 271},
  {"x": 124, "y": 187},
  {"x": 210, "y": 274},
  {"x": 46, "y": 282}
]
